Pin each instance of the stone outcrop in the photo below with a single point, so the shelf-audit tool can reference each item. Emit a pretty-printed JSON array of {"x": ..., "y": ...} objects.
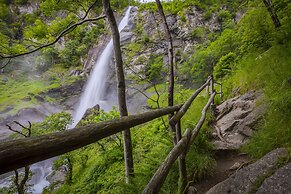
[
  {"x": 32, "y": 114},
  {"x": 249, "y": 178},
  {"x": 236, "y": 119},
  {"x": 279, "y": 182}
]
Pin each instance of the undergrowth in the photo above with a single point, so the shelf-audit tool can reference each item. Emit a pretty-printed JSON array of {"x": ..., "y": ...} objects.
[
  {"x": 270, "y": 72},
  {"x": 100, "y": 166}
]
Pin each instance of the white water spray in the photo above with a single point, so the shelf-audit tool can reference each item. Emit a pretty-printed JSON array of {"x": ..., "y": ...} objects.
[{"x": 95, "y": 86}]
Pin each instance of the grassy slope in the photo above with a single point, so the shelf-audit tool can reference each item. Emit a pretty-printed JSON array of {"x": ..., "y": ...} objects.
[{"x": 13, "y": 91}]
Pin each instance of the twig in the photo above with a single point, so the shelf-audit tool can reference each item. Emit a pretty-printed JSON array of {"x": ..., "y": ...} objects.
[
  {"x": 6, "y": 63},
  {"x": 19, "y": 132},
  {"x": 21, "y": 186},
  {"x": 155, "y": 88},
  {"x": 10, "y": 128},
  {"x": 143, "y": 93},
  {"x": 88, "y": 10}
]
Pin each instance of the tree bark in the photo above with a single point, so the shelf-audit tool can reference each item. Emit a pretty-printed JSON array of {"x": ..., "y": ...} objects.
[
  {"x": 272, "y": 12},
  {"x": 171, "y": 62},
  {"x": 21, "y": 152},
  {"x": 120, "y": 88},
  {"x": 160, "y": 175},
  {"x": 187, "y": 104}
]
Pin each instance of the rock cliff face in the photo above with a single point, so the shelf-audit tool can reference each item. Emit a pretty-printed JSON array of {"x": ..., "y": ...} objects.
[{"x": 149, "y": 37}]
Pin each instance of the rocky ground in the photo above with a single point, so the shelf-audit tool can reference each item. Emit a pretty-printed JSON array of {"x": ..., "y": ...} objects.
[
  {"x": 236, "y": 120},
  {"x": 235, "y": 172},
  {"x": 266, "y": 175}
]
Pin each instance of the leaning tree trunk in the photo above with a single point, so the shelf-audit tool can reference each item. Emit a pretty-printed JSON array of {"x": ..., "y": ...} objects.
[
  {"x": 272, "y": 12},
  {"x": 177, "y": 130},
  {"x": 171, "y": 61},
  {"x": 120, "y": 87}
]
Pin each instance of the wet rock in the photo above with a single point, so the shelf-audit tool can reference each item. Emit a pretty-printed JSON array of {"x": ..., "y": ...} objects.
[
  {"x": 125, "y": 37},
  {"x": 39, "y": 98},
  {"x": 66, "y": 95},
  {"x": 94, "y": 110},
  {"x": 7, "y": 109},
  {"x": 34, "y": 114},
  {"x": 279, "y": 182},
  {"x": 75, "y": 72},
  {"x": 57, "y": 178},
  {"x": 245, "y": 179}
]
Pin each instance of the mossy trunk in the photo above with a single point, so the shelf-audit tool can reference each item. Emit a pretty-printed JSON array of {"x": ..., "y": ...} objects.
[{"x": 120, "y": 88}]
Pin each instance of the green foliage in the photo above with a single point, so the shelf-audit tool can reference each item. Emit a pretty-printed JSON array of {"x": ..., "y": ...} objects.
[
  {"x": 38, "y": 30},
  {"x": 53, "y": 123},
  {"x": 270, "y": 72},
  {"x": 154, "y": 68},
  {"x": 99, "y": 167},
  {"x": 197, "y": 33},
  {"x": 99, "y": 116},
  {"x": 252, "y": 32},
  {"x": 224, "y": 65},
  {"x": 14, "y": 90}
]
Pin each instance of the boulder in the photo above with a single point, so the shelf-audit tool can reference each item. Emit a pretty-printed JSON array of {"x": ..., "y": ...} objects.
[
  {"x": 246, "y": 179},
  {"x": 279, "y": 182},
  {"x": 236, "y": 120},
  {"x": 91, "y": 111}
]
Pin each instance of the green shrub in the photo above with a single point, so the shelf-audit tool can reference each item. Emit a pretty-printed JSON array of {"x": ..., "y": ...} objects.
[
  {"x": 197, "y": 33},
  {"x": 154, "y": 68},
  {"x": 224, "y": 66}
]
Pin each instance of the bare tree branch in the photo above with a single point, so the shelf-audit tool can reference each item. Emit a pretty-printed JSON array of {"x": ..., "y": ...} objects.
[
  {"x": 88, "y": 10},
  {"x": 8, "y": 61},
  {"x": 144, "y": 94},
  {"x": 23, "y": 127},
  {"x": 21, "y": 186},
  {"x": 68, "y": 29},
  {"x": 10, "y": 128},
  {"x": 155, "y": 88}
]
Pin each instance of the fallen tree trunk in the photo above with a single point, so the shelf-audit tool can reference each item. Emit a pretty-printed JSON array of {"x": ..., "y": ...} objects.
[{"x": 21, "y": 152}]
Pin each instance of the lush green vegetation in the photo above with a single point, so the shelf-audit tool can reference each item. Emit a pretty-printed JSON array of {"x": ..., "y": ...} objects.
[
  {"x": 249, "y": 54},
  {"x": 14, "y": 92},
  {"x": 99, "y": 167}
]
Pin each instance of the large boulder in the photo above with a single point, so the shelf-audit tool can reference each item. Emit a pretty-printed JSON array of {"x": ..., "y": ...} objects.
[
  {"x": 248, "y": 179},
  {"x": 279, "y": 182}
]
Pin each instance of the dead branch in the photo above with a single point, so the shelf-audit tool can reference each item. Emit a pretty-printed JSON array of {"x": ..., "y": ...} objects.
[
  {"x": 21, "y": 186},
  {"x": 8, "y": 61},
  {"x": 144, "y": 94},
  {"x": 88, "y": 10},
  {"x": 23, "y": 127},
  {"x": 157, "y": 101}
]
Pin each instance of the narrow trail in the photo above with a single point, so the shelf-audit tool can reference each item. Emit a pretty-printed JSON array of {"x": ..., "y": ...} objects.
[
  {"x": 228, "y": 162},
  {"x": 232, "y": 128}
]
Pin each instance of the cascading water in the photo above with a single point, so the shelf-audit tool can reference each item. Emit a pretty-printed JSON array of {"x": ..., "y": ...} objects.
[
  {"x": 92, "y": 95},
  {"x": 95, "y": 86}
]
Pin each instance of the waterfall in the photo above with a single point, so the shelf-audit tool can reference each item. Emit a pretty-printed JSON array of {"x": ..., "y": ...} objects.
[
  {"x": 95, "y": 86},
  {"x": 92, "y": 95}
]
